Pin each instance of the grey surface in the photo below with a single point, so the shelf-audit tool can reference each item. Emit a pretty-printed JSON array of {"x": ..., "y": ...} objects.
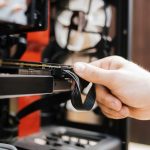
[{"x": 108, "y": 143}]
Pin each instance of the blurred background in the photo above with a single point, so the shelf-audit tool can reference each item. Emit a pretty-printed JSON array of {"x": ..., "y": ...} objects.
[{"x": 141, "y": 54}]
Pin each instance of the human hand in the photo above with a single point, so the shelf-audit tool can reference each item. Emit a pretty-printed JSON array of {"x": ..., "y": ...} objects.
[{"x": 122, "y": 87}]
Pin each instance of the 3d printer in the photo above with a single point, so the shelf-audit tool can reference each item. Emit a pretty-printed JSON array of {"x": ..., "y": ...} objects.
[{"x": 57, "y": 82}]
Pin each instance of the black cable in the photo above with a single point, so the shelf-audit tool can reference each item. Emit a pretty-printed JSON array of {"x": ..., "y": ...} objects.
[
  {"x": 76, "y": 98},
  {"x": 38, "y": 105}
]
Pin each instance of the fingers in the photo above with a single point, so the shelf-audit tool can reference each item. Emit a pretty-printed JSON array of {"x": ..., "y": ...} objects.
[
  {"x": 93, "y": 74},
  {"x": 103, "y": 96},
  {"x": 109, "y": 104},
  {"x": 140, "y": 113},
  {"x": 97, "y": 72},
  {"x": 126, "y": 111},
  {"x": 110, "y": 63},
  {"x": 123, "y": 113}
]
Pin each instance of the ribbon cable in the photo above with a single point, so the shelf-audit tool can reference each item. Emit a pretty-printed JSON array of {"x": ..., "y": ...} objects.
[{"x": 76, "y": 97}]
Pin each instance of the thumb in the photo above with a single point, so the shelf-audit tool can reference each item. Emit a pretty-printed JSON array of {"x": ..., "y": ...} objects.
[{"x": 93, "y": 74}]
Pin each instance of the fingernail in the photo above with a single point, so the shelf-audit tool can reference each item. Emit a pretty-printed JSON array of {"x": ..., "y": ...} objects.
[
  {"x": 116, "y": 106},
  {"x": 124, "y": 112},
  {"x": 79, "y": 67}
]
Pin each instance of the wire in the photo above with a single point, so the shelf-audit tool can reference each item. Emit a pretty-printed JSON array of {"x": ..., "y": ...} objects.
[
  {"x": 76, "y": 98},
  {"x": 7, "y": 147}
]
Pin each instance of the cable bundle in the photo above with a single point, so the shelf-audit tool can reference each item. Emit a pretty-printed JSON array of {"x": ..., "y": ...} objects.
[{"x": 76, "y": 98}]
